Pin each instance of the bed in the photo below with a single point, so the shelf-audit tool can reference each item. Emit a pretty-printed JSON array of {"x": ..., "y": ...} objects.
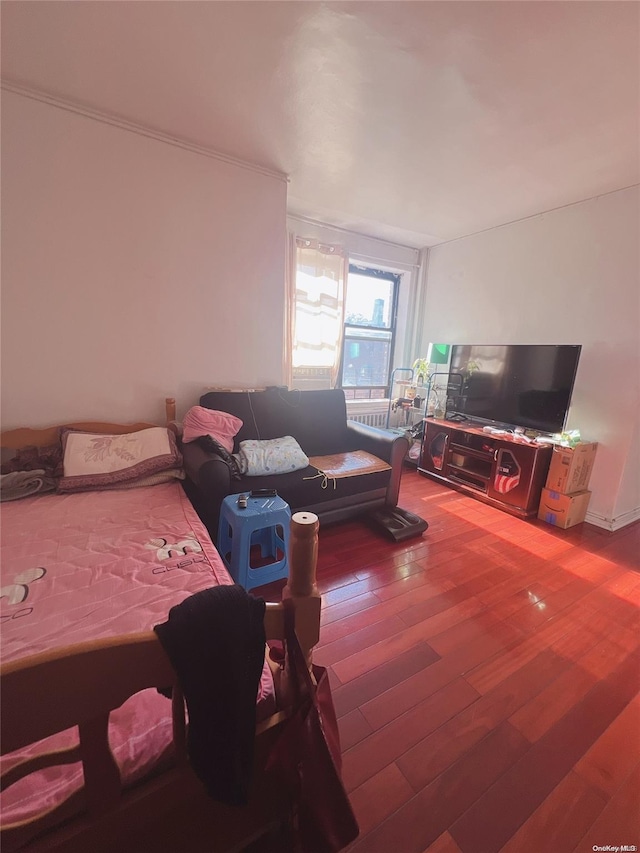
[{"x": 94, "y": 755}]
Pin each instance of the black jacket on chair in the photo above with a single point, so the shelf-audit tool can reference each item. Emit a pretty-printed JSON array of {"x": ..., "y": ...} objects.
[{"x": 215, "y": 640}]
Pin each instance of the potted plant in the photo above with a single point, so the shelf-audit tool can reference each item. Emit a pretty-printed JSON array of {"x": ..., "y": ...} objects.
[{"x": 421, "y": 370}]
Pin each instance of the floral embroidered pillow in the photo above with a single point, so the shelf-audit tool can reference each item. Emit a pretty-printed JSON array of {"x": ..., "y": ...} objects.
[{"x": 96, "y": 460}]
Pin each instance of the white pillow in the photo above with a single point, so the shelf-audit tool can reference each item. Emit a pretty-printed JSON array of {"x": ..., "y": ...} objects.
[{"x": 273, "y": 456}]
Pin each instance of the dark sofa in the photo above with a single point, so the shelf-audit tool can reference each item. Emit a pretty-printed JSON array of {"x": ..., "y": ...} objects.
[{"x": 318, "y": 421}]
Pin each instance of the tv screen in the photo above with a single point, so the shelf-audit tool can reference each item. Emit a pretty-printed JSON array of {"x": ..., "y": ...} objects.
[{"x": 527, "y": 385}]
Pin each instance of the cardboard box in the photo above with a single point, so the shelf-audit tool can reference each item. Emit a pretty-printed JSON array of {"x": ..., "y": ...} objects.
[
  {"x": 563, "y": 510},
  {"x": 571, "y": 468}
]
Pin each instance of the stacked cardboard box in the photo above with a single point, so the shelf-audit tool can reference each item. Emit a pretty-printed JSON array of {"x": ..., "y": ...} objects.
[{"x": 565, "y": 498}]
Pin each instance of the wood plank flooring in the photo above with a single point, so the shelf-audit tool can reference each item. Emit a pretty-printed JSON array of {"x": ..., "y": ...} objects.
[{"x": 486, "y": 678}]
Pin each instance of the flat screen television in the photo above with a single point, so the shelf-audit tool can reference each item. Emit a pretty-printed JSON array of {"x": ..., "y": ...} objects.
[{"x": 525, "y": 385}]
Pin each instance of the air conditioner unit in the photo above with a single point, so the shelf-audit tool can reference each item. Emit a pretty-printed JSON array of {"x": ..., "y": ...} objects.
[{"x": 311, "y": 378}]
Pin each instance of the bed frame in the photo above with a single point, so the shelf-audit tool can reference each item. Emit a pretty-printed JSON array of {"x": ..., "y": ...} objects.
[{"x": 170, "y": 811}]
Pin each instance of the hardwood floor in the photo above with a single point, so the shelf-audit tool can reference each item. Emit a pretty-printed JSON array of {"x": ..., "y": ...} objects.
[{"x": 486, "y": 677}]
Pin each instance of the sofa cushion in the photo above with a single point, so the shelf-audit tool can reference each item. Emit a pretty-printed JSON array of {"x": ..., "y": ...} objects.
[
  {"x": 350, "y": 464},
  {"x": 309, "y": 488},
  {"x": 237, "y": 403},
  {"x": 316, "y": 419}
]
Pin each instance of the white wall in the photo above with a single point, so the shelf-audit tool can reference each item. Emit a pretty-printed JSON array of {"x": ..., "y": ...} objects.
[
  {"x": 629, "y": 484},
  {"x": 568, "y": 276},
  {"x": 132, "y": 270}
]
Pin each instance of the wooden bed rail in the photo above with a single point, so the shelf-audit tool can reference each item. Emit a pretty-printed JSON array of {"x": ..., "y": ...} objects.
[
  {"x": 84, "y": 684},
  {"x": 88, "y": 679}
]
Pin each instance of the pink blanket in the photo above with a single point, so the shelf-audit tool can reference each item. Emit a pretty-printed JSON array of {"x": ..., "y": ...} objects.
[{"x": 91, "y": 565}]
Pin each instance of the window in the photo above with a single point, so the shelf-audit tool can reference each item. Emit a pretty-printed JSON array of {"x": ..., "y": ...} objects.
[
  {"x": 341, "y": 322},
  {"x": 369, "y": 331}
]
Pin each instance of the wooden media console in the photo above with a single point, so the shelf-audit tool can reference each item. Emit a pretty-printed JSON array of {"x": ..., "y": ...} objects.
[{"x": 505, "y": 470}]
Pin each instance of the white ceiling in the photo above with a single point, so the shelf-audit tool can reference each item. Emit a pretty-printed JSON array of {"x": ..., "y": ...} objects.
[{"x": 418, "y": 121}]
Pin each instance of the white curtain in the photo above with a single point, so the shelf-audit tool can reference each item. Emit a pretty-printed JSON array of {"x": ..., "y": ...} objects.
[
  {"x": 315, "y": 298},
  {"x": 289, "y": 313}
]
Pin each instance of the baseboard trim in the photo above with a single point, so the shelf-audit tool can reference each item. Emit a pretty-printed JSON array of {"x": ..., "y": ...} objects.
[{"x": 613, "y": 524}]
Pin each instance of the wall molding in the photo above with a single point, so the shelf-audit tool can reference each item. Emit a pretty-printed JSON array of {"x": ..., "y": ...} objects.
[
  {"x": 613, "y": 524},
  {"x": 133, "y": 127}
]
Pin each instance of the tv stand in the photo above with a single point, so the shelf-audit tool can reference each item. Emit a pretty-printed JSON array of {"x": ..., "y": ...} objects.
[{"x": 505, "y": 471}]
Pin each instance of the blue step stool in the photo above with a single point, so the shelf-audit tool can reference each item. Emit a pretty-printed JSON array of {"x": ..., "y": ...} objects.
[{"x": 266, "y": 523}]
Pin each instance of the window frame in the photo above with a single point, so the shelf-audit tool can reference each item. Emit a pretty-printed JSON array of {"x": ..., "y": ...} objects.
[{"x": 354, "y": 392}]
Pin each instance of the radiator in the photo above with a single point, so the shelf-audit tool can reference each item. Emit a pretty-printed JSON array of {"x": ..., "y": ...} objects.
[{"x": 376, "y": 419}]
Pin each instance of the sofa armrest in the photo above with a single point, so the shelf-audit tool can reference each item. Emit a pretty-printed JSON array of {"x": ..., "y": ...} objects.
[
  {"x": 208, "y": 483},
  {"x": 206, "y": 469},
  {"x": 382, "y": 443},
  {"x": 386, "y": 445}
]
